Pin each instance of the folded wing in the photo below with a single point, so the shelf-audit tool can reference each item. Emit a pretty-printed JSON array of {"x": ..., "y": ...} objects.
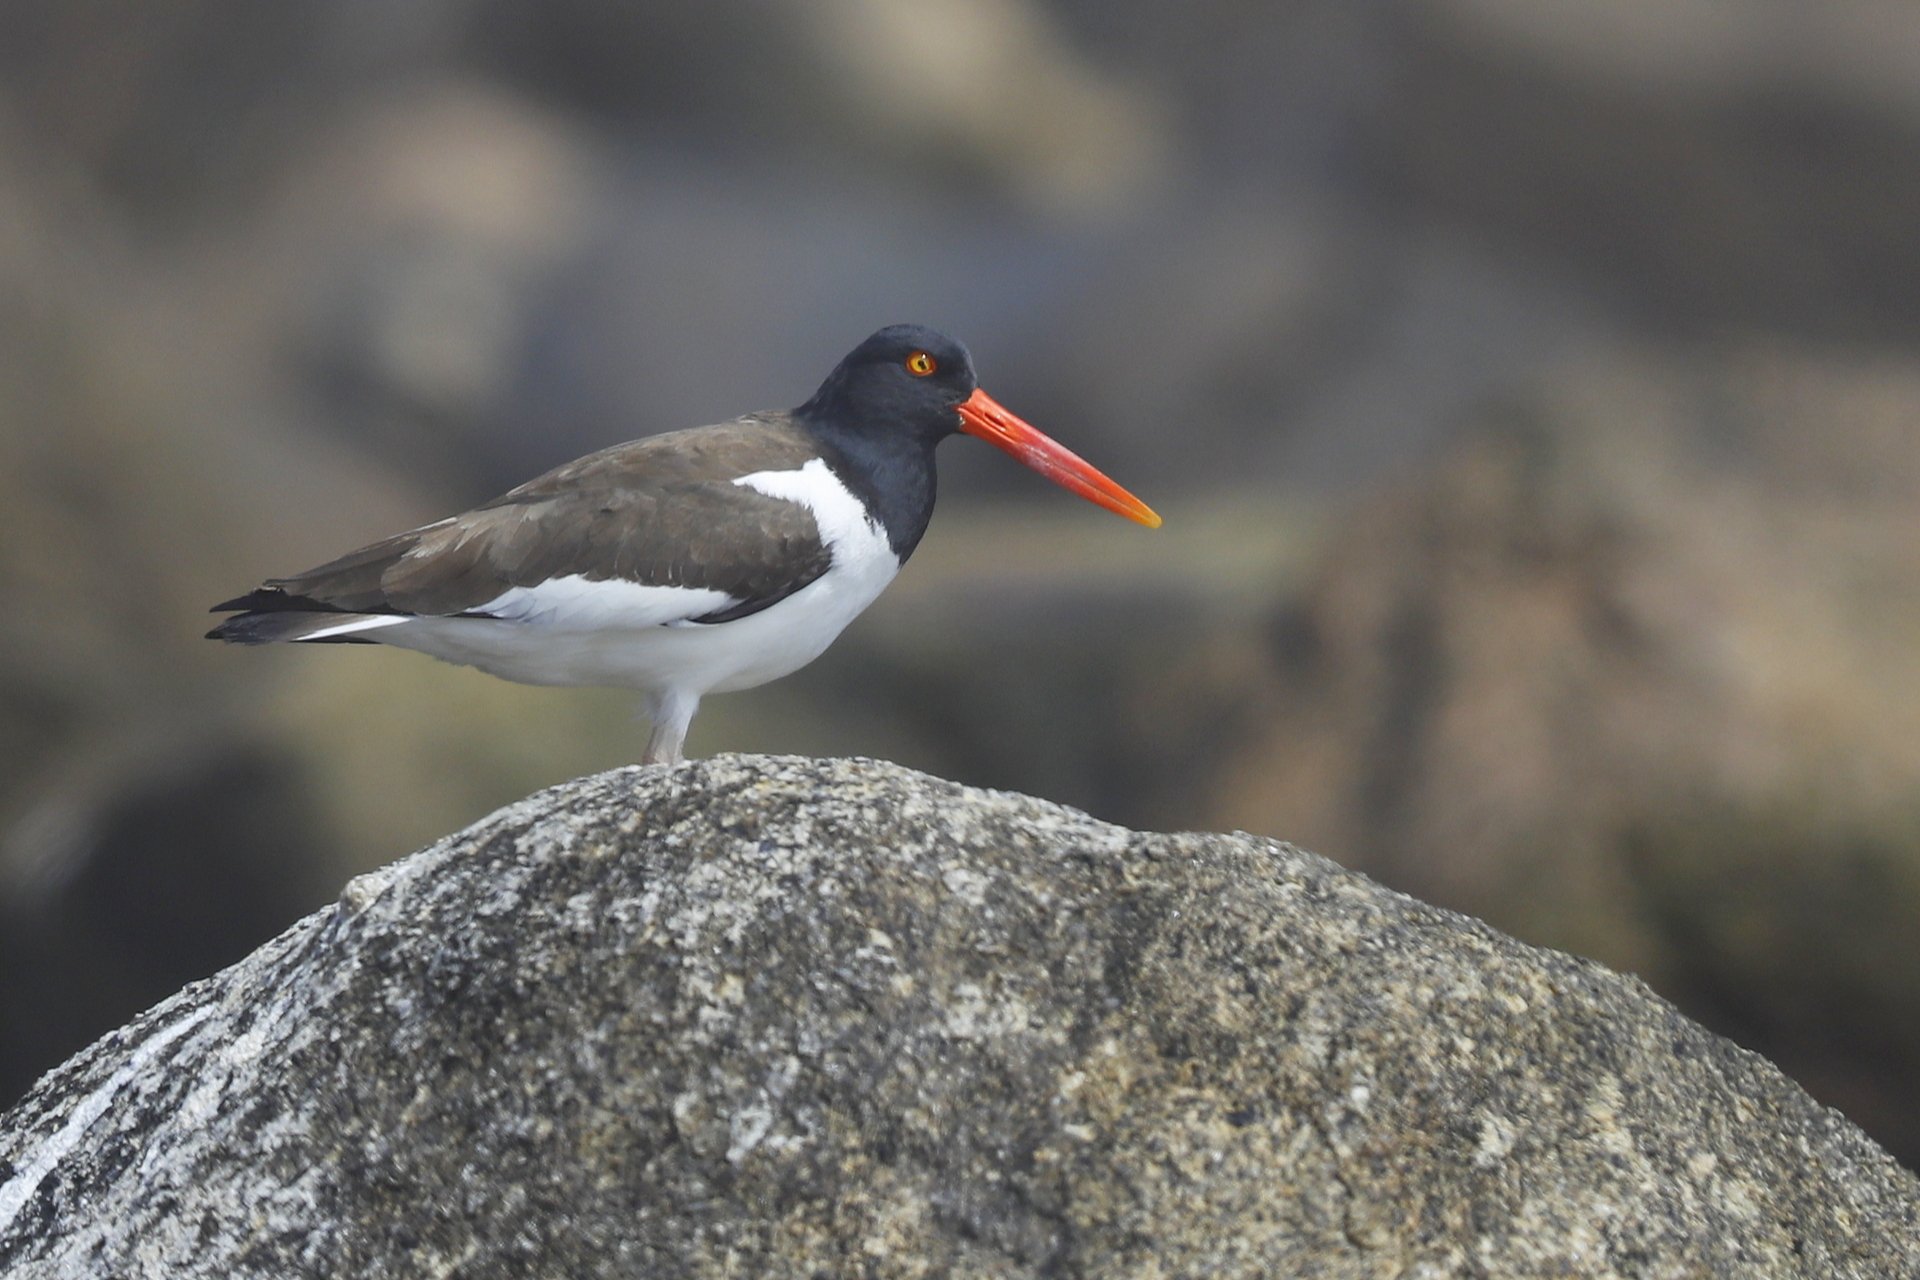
[{"x": 652, "y": 533}]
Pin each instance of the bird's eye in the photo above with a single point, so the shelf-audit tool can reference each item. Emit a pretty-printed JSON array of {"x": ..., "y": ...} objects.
[{"x": 920, "y": 364}]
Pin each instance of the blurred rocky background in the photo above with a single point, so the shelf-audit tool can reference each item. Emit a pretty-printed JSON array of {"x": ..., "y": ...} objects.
[{"x": 1532, "y": 392}]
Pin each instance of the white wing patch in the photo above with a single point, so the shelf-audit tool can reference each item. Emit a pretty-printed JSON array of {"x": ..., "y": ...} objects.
[
  {"x": 575, "y": 603},
  {"x": 358, "y": 624}
]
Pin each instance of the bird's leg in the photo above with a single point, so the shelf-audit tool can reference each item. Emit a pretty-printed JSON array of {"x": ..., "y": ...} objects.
[{"x": 671, "y": 711}]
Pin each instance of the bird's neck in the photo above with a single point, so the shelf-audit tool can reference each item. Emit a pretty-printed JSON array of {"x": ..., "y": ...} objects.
[{"x": 891, "y": 473}]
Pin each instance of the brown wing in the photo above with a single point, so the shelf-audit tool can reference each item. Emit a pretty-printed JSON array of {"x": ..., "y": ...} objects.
[{"x": 662, "y": 511}]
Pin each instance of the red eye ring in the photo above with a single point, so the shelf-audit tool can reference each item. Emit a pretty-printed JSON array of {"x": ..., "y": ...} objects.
[{"x": 920, "y": 364}]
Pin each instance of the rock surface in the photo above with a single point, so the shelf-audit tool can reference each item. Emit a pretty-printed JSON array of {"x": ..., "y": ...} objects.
[{"x": 782, "y": 1017}]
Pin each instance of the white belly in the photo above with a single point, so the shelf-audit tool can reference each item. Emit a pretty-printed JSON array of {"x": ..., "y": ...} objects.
[{"x": 699, "y": 659}]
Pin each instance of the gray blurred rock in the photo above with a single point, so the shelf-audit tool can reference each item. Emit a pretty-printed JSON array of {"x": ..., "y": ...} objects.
[
  {"x": 1633, "y": 670},
  {"x": 784, "y": 1017}
]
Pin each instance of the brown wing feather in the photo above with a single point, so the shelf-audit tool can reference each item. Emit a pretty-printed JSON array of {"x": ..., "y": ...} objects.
[{"x": 663, "y": 511}]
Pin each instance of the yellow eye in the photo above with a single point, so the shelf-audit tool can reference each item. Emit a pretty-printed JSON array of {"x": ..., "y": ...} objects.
[{"x": 920, "y": 364}]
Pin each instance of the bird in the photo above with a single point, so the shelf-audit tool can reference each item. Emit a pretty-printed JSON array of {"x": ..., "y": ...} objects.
[{"x": 692, "y": 562}]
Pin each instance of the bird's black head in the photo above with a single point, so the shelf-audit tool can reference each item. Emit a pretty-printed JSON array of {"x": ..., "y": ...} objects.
[
  {"x": 880, "y": 413},
  {"x": 905, "y": 381}
]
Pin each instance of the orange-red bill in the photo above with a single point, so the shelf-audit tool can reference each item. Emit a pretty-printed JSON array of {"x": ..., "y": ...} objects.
[{"x": 983, "y": 416}]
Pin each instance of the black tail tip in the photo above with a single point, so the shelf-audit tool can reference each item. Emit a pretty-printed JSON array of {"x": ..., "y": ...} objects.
[{"x": 243, "y": 628}]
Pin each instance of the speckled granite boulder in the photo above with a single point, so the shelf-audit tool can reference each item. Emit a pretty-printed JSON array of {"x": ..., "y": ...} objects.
[{"x": 796, "y": 1018}]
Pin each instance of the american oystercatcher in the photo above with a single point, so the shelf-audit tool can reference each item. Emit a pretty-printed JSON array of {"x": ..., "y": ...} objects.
[{"x": 684, "y": 564}]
